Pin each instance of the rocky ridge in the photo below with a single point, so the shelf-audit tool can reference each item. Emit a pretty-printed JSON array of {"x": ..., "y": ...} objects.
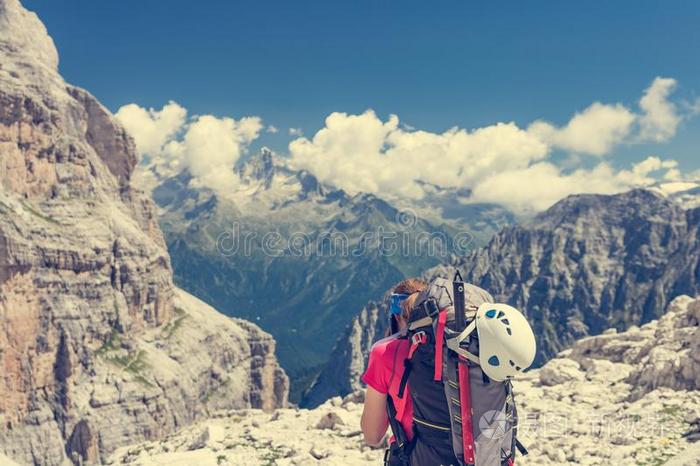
[
  {"x": 592, "y": 262},
  {"x": 617, "y": 398},
  {"x": 98, "y": 348}
]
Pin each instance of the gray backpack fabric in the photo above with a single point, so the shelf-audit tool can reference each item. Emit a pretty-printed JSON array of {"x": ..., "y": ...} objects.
[
  {"x": 440, "y": 289},
  {"x": 493, "y": 411}
]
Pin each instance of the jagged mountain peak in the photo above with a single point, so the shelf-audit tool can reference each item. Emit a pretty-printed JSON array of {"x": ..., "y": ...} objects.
[
  {"x": 261, "y": 166},
  {"x": 23, "y": 34},
  {"x": 366, "y": 203},
  {"x": 592, "y": 262},
  {"x": 70, "y": 119},
  {"x": 608, "y": 208},
  {"x": 269, "y": 182}
]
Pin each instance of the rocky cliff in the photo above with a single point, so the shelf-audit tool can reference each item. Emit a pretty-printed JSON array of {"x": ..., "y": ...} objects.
[
  {"x": 97, "y": 347},
  {"x": 592, "y": 262},
  {"x": 588, "y": 263},
  {"x": 612, "y": 399}
]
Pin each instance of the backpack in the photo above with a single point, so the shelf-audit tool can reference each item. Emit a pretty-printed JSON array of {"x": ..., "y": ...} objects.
[{"x": 460, "y": 416}]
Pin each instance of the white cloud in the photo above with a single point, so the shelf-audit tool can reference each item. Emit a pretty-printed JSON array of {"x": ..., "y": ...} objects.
[
  {"x": 364, "y": 153},
  {"x": 600, "y": 127},
  {"x": 540, "y": 185},
  {"x": 212, "y": 146},
  {"x": 652, "y": 164},
  {"x": 659, "y": 119},
  {"x": 206, "y": 145},
  {"x": 151, "y": 128},
  {"x": 594, "y": 131},
  {"x": 694, "y": 107},
  {"x": 501, "y": 163}
]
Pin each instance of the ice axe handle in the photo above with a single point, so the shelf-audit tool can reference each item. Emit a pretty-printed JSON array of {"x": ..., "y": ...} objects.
[{"x": 460, "y": 310}]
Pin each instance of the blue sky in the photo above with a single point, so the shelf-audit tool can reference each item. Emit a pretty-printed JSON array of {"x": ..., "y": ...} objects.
[{"x": 435, "y": 64}]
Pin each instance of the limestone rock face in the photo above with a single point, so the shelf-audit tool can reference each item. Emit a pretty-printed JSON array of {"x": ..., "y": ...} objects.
[
  {"x": 97, "y": 346},
  {"x": 618, "y": 398},
  {"x": 592, "y": 262},
  {"x": 664, "y": 353}
]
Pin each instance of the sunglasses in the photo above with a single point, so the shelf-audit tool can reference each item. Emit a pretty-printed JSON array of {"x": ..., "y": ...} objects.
[{"x": 396, "y": 300}]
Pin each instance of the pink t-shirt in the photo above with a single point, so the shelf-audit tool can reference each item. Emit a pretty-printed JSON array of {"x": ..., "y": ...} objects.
[{"x": 384, "y": 371}]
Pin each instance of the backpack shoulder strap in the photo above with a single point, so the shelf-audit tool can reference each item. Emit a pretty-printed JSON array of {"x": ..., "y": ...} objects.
[
  {"x": 403, "y": 446},
  {"x": 417, "y": 339}
]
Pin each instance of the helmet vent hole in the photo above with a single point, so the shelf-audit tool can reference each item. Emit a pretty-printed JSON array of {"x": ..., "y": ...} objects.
[
  {"x": 511, "y": 362},
  {"x": 509, "y": 331},
  {"x": 493, "y": 360},
  {"x": 517, "y": 368},
  {"x": 491, "y": 313},
  {"x": 500, "y": 314},
  {"x": 505, "y": 321}
]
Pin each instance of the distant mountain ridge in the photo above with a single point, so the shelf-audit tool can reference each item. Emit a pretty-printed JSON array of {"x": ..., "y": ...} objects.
[
  {"x": 588, "y": 263},
  {"x": 591, "y": 262},
  {"x": 324, "y": 264}
]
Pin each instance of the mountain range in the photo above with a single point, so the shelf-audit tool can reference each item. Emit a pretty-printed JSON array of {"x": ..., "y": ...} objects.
[
  {"x": 322, "y": 289},
  {"x": 298, "y": 256},
  {"x": 588, "y": 263}
]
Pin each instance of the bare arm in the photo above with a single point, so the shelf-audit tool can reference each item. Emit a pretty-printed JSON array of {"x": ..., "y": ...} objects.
[{"x": 374, "y": 417}]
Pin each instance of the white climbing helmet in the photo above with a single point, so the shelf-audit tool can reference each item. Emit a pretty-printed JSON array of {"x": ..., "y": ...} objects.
[{"x": 506, "y": 341}]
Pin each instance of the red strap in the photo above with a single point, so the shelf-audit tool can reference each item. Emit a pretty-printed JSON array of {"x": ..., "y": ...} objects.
[
  {"x": 439, "y": 337},
  {"x": 466, "y": 411},
  {"x": 511, "y": 462}
]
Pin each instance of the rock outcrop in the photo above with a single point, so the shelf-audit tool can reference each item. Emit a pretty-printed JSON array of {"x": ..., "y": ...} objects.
[
  {"x": 589, "y": 263},
  {"x": 617, "y": 398},
  {"x": 97, "y": 346},
  {"x": 592, "y": 262}
]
